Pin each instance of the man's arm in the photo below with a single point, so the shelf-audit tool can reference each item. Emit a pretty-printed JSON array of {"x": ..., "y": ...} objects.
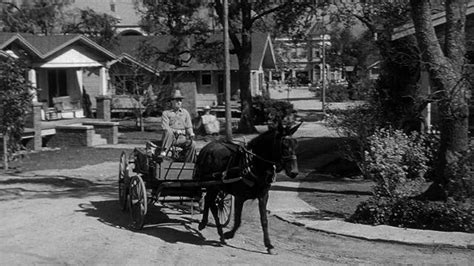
[
  {"x": 188, "y": 125},
  {"x": 165, "y": 122}
]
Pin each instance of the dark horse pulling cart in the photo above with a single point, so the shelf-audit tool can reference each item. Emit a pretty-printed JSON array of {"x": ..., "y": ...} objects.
[
  {"x": 222, "y": 169},
  {"x": 146, "y": 178}
]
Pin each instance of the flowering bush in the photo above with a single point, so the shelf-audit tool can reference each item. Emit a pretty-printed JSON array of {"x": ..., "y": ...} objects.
[{"x": 397, "y": 162}]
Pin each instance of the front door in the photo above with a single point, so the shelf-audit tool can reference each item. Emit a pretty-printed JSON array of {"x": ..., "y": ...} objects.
[{"x": 57, "y": 84}]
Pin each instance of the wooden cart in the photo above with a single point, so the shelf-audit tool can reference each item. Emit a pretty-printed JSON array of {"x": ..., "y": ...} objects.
[{"x": 146, "y": 178}]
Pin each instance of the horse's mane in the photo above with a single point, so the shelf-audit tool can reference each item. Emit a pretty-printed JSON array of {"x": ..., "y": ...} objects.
[{"x": 259, "y": 138}]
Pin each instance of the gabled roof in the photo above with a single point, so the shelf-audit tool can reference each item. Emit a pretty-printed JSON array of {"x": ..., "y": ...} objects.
[
  {"x": 261, "y": 49},
  {"x": 45, "y": 46}
]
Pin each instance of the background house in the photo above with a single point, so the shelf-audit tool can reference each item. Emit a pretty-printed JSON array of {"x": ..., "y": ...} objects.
[
  {"x": 201, "y": 83},
  {"x": 61, "y": 66}
]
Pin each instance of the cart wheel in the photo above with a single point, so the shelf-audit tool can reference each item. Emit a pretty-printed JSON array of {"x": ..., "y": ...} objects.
[
  {"x": 122, "y": 181},
  {"x": 138, "y": 202},
  {"x": 225, "y": 205}
]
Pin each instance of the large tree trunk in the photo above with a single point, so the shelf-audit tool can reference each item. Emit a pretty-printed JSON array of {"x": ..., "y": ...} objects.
[
  {"x": 244, "y": 56},
  {"x": 446, "y": 71}
]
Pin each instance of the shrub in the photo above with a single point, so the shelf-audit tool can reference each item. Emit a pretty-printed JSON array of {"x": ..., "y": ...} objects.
[
  {"x": 355, "y": 125},
  {"x": 412, "y": 213},
  {"x": 374, "y": 211},
  {"x": 270, "y": 111},
  {"x": 396, "y": 162},
  {"x": 337, "y": 93}
]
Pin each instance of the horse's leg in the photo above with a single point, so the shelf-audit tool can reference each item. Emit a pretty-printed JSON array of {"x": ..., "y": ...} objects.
[
  {"x": 205, "y": 212},
  {"x": 262, "y": 207},
  {"x": 238, "y": 205},
  {"x": 213, "y": 207}
]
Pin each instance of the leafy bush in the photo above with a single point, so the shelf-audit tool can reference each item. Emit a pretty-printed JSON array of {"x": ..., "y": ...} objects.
[
  {"x": 396, "y": 162},
  {"x": 355, "y": 125},
  {"x": 271, "y": 112},
  {"x": 337, "y": 93},
  {"x": 412, "y": 213},
  {"x": 15, "y": 102}
]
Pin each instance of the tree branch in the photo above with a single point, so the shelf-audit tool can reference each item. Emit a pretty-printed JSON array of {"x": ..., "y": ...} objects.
[{"x": 269, "y": 11}]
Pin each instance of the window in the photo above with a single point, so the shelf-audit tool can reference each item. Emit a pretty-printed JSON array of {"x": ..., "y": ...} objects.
[
  {"x": 206, "y": 79},
  {"x": 316, "y": 53}
]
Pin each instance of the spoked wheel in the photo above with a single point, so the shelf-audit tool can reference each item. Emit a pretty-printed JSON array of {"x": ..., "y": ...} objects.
[
  {"x": 138, "y": 202},
  {"x": 122, "y": 181},
  {"x": 225, "y": 204}
]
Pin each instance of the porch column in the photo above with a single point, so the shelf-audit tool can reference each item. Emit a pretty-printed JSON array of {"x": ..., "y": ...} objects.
[
  {"x": 36, "y": 120},
  {"x": 79, "y": 73},
  {"x": 104, "y": 80},
  {"x": 32, "y": 79}
]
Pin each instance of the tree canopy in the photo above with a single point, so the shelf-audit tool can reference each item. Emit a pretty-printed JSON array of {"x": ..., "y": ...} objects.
[{"x": 35, "y": 17}]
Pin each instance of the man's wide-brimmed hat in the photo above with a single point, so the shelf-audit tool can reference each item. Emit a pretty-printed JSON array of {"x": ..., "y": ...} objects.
[{"x": 177, "y": 95}]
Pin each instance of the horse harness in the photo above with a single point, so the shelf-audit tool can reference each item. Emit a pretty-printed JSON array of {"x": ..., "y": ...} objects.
[{"x": 247, "y": 174}]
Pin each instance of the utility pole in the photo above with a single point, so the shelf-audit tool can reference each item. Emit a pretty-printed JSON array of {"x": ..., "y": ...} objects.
[
  {"x": 228, "y": 114},
  {"x": 323, "y": 95}
]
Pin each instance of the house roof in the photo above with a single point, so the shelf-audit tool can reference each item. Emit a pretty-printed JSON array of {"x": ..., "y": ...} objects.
[
  {"x": 437, "y": 19},
  {"x": 262, "y": 52},
  {"x": 45, "y": 46}
]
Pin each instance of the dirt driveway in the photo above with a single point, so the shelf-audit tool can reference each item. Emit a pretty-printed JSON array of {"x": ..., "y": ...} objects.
[{"x": 71, "y": 216}]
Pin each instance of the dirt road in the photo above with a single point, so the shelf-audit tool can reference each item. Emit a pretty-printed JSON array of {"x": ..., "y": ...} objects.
[{"x": 72, "y": 217}]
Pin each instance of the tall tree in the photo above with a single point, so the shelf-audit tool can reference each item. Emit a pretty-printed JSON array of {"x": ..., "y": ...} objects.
[
  {"x": 101, "y": 28},
  {"x": 36, "y": 17},
  {"x": 446, "y": 65},
  {"x": 175, "y": 17}
]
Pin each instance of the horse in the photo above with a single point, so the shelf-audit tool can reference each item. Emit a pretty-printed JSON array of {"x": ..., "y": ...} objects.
[{"x": 249, "y": 172}]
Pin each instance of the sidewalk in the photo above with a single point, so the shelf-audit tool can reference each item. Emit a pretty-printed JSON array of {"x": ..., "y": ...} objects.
[{"x": 287, "y": 206}]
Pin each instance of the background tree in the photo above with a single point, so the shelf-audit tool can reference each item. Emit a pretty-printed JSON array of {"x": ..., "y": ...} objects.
[
  {"x": 397, "y": 89},
  {"x": 46, "y": 17},
  {"x": 101, "y": 28},
  {"x": 357, "y": 50},
  {"x": 36, "y": 16},
  {"x": 446, "y": 65},
  {"x": 176, "y": 17},
  {"x": 15, "y": 99}
]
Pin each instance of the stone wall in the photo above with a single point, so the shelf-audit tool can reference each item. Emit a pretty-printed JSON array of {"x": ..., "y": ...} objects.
[
  {"x": 107, "y": 130},
  {"x": 72, "y": 135}
]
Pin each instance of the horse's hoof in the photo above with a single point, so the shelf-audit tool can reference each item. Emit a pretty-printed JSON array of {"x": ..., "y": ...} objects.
[
  {"x": 271, "y": 251},
  {"x": 223, "y": 241},
  {"x": 228, "y": 235},
  {"x": 201, "y": 226}
]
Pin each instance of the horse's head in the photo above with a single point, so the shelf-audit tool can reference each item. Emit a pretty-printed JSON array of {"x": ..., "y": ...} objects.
[{"x": 287, "y": 150}]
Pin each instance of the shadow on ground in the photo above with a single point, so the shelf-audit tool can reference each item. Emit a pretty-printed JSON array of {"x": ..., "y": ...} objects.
[
  {"x": 53, "y": 187},
  {"x": 157, "y": 222}
]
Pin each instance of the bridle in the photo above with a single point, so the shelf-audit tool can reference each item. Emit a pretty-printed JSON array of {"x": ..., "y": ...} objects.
[{"x": 247, "y": 169}]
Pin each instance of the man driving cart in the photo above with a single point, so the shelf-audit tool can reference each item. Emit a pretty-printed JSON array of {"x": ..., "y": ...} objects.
[{"x": 178, "y": 129}]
